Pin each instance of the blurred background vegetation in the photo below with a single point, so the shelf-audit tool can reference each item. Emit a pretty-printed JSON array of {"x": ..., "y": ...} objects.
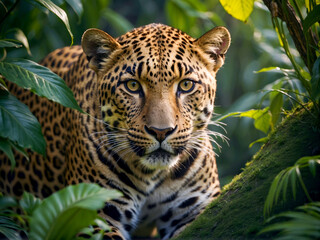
[{"x": 254, "y": 46}]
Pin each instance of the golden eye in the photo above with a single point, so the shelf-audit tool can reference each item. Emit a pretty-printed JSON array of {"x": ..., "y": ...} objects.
[
  {"x": 133, "y": 86},
  {"x": 186, "y": 85}
]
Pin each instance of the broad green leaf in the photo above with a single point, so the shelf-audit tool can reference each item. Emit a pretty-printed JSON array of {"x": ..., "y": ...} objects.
[
  {"x": 5, "y": 146},
  {"x": 19, "y": 125},
  {"x": 9, "y": 43},
  {"x": 312, "y": 18},
  {"x": 59, "y": 12},
  {"x": 315, "y": 80},
  {"x": 39, "y": 79},
  {"x": 66, "y": 212},
  {"x": 76, "y": 6},
  {"x": 261, "y": 118},
  {"x": 29, "y": 203},
  {"x": 239, "y": 9}
]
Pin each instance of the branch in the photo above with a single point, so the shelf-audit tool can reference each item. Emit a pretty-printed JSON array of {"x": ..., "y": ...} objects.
[{"x": 283, "y": 10}]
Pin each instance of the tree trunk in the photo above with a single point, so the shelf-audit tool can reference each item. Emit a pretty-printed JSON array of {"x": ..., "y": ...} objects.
[{"x": 238, "y": 212}]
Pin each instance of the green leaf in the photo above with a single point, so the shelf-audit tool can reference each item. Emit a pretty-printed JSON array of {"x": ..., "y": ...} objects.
[
  {"x": 76, "y": 6},
  {"x": 262, "y": 118},
  {"x": 41, "y": 80},
  {"x": 315, "y": 80},
  {"x": 59, "y": 12},
  {"x": 239, "y": 9},
  {"x": 303, "y": 223},
  {"x": 19, "y": 125},
  {"x": 281, "y": 181},
  {"x": 29, "y": 203},
  {"x": 9, "y": 43},
  {"x": 5, "y": 146},
  {"x": 271, "y": 199},
  {"x": 312, "y": 18},
  {"x": 66, "y": 212}
]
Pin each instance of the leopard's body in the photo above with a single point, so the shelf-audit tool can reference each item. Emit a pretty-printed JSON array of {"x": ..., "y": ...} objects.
[{"x": 149, "y": 96}]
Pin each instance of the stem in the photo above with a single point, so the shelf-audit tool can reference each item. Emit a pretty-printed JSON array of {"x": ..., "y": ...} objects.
[
  {"x": 9, "y": 11},
  {"x": 284, "y": 10},
  {"x": 297, "y": 9},
  {"x": 288, "y": 53}
]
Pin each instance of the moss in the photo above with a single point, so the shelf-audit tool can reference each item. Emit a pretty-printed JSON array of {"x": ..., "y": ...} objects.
[{"x": 238, "y": 212}]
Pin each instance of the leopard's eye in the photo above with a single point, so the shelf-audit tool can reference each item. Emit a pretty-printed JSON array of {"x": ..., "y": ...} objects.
[
  {"x": 186, "y": 86},
  {"x": 133, "y": 86}
]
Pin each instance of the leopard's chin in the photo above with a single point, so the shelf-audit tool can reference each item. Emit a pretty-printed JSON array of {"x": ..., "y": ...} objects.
[{"x": 159, "y": 159}]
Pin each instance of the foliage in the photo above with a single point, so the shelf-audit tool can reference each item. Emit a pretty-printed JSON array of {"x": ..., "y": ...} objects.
[
  {"x": 290, "y": 175},
  {"x": 51, "y": 218},
  {"x": 19, "y": 128},
  {"x": 297, "y": 84},
  {"x": 306, "y": 88},
  {"x": 238, "y": 212},
  {"x": 303, "y": 223},
  {"x": 264, "y": 97},
  {"x": 8, "y": 227},
  {"x": 61, "y": 13}
]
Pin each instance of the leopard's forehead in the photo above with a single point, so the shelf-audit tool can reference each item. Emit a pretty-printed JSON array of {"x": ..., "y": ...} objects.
[
  {"x": 156, "y": 35},
  {"x": 159, "y": 52}
]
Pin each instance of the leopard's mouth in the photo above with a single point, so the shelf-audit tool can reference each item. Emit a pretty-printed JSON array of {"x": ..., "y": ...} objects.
[
  {"x": 159, "y": 159},
  {"x": 160, "y": 152}
]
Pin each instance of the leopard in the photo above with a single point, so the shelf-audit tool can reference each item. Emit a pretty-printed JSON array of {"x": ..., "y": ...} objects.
[{"x": 148, "y": 98}]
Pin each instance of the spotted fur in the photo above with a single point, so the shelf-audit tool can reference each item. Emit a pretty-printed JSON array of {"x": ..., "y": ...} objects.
[{"x": 148, "y": 96}]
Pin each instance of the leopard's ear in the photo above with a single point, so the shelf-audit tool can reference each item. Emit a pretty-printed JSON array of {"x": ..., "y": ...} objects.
[
  {"x": 215, "y": 43},
  {"x": 98, "y": 46}
]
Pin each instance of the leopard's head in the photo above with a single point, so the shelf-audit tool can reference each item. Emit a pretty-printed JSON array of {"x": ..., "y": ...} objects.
[{"x": 156, "y": 90}]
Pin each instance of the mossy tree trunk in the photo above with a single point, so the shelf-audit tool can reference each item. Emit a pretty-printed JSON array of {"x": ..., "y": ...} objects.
[{"x": 238, "y": 212}]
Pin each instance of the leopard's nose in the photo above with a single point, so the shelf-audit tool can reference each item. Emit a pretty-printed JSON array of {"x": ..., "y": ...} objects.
[{"x": 160, "y": 133}]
